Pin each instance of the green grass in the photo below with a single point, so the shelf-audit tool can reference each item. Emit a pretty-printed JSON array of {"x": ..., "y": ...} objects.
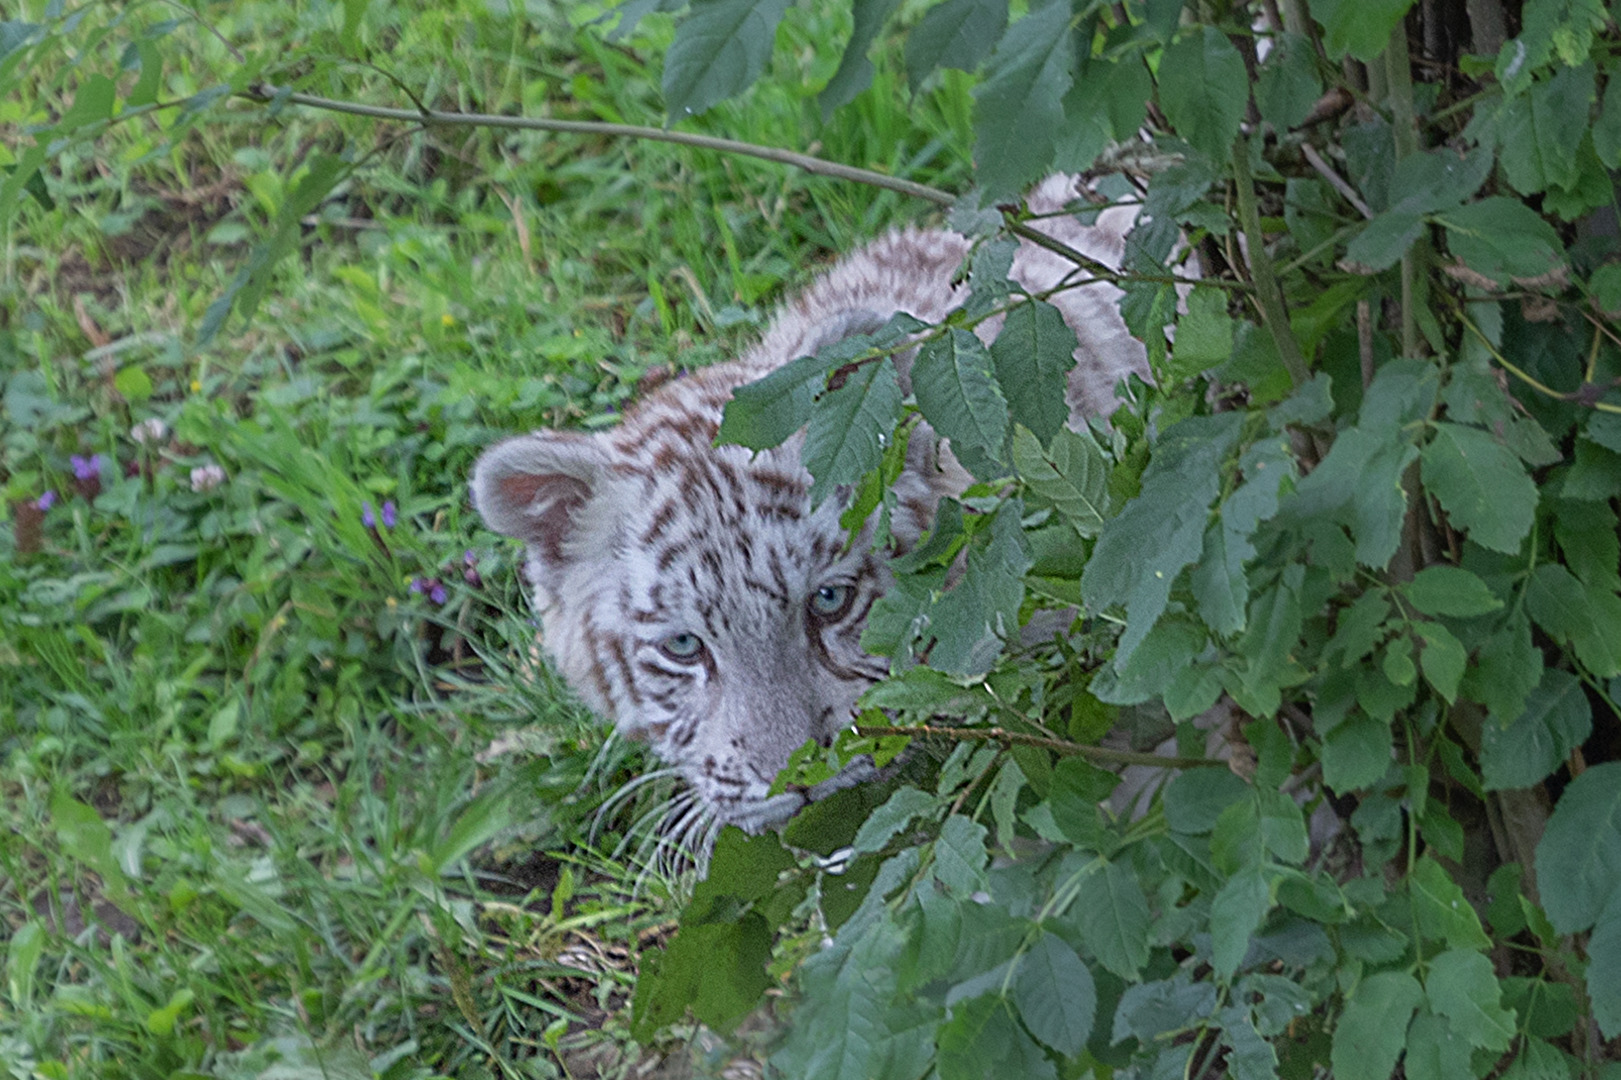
[{"x": 260, "y": 801}]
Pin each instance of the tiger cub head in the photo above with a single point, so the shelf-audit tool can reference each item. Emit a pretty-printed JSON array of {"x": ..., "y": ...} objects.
[{"x": 691, "y": 592}]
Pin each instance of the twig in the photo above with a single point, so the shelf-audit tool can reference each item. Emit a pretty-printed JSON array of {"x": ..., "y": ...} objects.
[
  {"x": 1267, "y": 292},
  {"x": 1339, "y": 183},
  {"x": 267, "y": 93},
  {"x": 1060, "y": 746}
]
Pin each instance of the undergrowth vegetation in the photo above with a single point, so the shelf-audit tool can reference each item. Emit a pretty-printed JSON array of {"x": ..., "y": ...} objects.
[{"x": 286, "y": 790}]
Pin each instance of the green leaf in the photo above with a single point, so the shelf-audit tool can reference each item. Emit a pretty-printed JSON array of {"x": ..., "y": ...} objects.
[
  {"x": 1442, "y": 910},
  {"x": 1384, "y": 240},
  {"x": 1356, "y": 753},
  {"x": 1607, "y": 130},
  {"x": 848, "y": 426},
  {"x": 983, "y": 1038},
  {"x": 1111, "y": 913},
  {"x": 1462, "y": 987},
  {"x": 1288, "y": 86},
  {"x": 1442, "y": 659},
  {"x": 1148, "y": 1010},
  {"x": 1372, "y": 1030},
  {"x": 1588, "y": 620},
  {"x": 1019, "y": 105},
  {"x": 855, "y": 70},
  {"x": 1144, "y": 548},
  {"x": 1055, "y": 995},
  {"x": 27, "y": 945},
  {"x": 1580, "y": 849},
  {"x": 133, "y": 384},
  {"x": 1450, "y": 590},
  {"x": 1604, "y": 970},
  {"x": 92, "y": 102},
  {"x": 960, "y": 856},
  {"x": 1252, "y": 1058},
  {"x": 1033, "y": 355},
  {"x": 1481, "y": 485},
  {"x": 1588, "y": 538},
  {"x": 1283, "y": 826},
  {"x": 1538, "y": 131},
  {"x": 1203, "y": 90},
  {"x": 1072, "y": 476},
  {"x": 716, "y": 968},
  {"x": 1360, "y": 628},
  {"x": 1503, "y": 239},
  {"x": 956, "y": 34},
  {"x": 1195, "y": 798},
  {"x": 1235, "y": 914},
  {"x": 1434, "y": 1052},
  {"x": 1204, "y": 333},
  {"x": 1359, "y": 484},
  {"x": 1359, "y": 27},
  {"x": 1509, "y": 666},
  {"x": 83, "y": 837},
  {"x": 720, "y": 48},
  {"x": 974, "y": 619},
  {"x": 1557, "y": 719},
  {"x": 896, "y": 813},
  {"x": 958, "y": 396}
]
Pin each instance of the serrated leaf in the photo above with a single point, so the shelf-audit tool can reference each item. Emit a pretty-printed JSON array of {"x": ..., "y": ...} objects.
[
  {"x": 1442, "y": 910},
  {"x": 1384, "y": 240},
  {"x": 1450, "y": 590},
  {"x": 973, "y": 619},
  {"x": 1235, "y": 914},
  {"x": 1539, "y": 130},
  {"x": 1509, "y": 666},
  {"x": 1072, "y": 476},
  {"x": 1282, "y": 824},
  {"x": 1607, "y": 129},
  {"x": 1033, "y": 355},
  {"x": 720, "y": 48},
  {"x": 1150, "y": 1009},
  {"x": 1203, "y": 90},
  {"x": 1434, "y": 1052},
  {"x": 956, "y": 34},
  {"x": 1372, "y": 1030},
  {"x": 1356, "y": 753},
  {"x": 1502, "y": 238},
  {"x": 1589, "y": 620},
  {"x": 855, "y": 70},
  {"x": 848, "y": 426},
  {"x": 1462, "y": 987},
  {"x": 1442, "y": 659},
  {"x": 1111, "y": 913},
  {"x": 1055, "y": 995},
  {"x": 1252, "y": 1056},
  {"x": 1581, "y": 849},
  {"x": 1359, "y": 484},
  {"x": 1604, "y": 970},
  {"x": 1204, "y": 333},
  {"x": 1196, "y": 798},
  {"x": 1481, "y": 485},
  {"x": 960, "y": 856},
  {"x": 1361, "y": 627},
  {"x": 1359, "y": 27},
  {"x": 1141, "y": 551},
  {"x": 983, "y": 1038},
  {"x": 1587, "y": 535},
  {"x": 896, "y": 813},
  {"x": 958, "y": 396},
  {"x": 1019, "y": 105},
  {"x": 1287, "y": 86},
  {"x": 1557, "y": 719}
]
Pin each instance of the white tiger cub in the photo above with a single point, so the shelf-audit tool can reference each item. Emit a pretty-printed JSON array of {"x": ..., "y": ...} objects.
[{"x": 689, "y": 591}]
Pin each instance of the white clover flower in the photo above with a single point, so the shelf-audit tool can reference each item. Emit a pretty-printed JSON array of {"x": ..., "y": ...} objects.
[
  {"x": 207, "y": 477},
  {"x": 149, "y": 432}
]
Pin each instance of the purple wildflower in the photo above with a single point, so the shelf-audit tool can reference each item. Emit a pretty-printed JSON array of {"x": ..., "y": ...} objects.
[
  {"x": 390, "y": 514},
  {"x": 367, "y": 518},
  {"x": 470, "y": 557},
  {"x": 45, "y": 501},
  {"x": 437, "y": 594},
  {"x": 87, "y": 468},
  {"x": 418, "y": 585}
]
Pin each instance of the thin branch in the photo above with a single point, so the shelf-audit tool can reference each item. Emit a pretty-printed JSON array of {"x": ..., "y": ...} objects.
[
  {"x": 1060, "y": 746},
  {"x": 1585, "y": 395},
  {"x": 266, "y": 93},
  {"x": 1268, "y": 294},
  {"x": 1339, "y": 183}
]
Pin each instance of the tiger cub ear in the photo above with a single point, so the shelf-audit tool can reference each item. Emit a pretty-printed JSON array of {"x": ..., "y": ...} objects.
[{"x": 534, "y": 487}]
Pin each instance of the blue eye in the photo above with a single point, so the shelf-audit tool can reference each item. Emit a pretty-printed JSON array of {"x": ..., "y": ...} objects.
[
  {"x": 831, "y": 601},
  {"x": 682, "y": 646}
]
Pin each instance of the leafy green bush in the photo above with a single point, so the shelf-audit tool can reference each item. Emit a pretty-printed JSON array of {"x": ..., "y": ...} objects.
[{"x": 1370, "y": 500}]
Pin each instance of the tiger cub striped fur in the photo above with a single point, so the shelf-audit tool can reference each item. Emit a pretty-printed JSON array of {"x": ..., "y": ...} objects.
[{"x": 691, "y": 593}]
